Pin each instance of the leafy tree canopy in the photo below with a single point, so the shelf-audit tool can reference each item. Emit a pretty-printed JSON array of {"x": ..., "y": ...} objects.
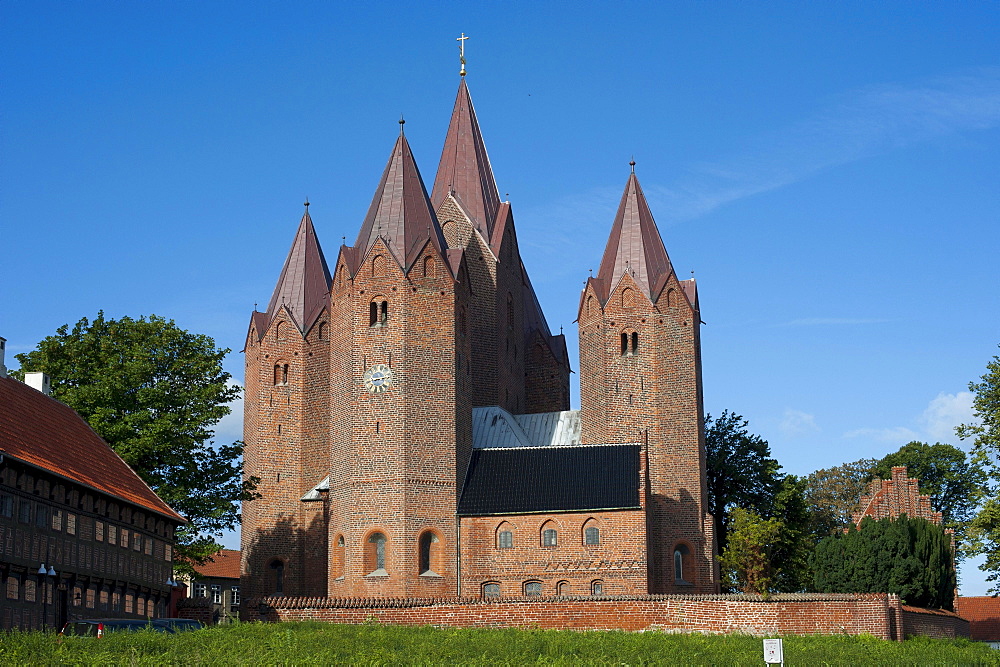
[
  {"x": 740, "y": 471},
  {"x": 153, "y": 392},
  {"x": 833, "y": 494},
  {"x": 954, "y": 483},
  {"x": 984, "y": 530},
  {"x": 749, "y": 561}
]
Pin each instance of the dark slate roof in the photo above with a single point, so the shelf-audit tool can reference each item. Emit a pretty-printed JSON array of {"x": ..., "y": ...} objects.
[
  {"x": 551, "y": 479},
  {"x": 304, "y": 280},
  {"x": 400, "y": 212},
  {"x": 465, "y": 168},
  {"x": 43, "y": 432},
  {"x": 634, "y": 246}
]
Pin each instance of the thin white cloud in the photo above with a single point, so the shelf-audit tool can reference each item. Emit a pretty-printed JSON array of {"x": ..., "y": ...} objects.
[
  {"x": 866, "y": 122},
  {"x": 863, "y": 123},
  {"x": 796, "y": 423},
  {"x": 230, "y": 428},
  {"x": 944, "y": 413},
  {"x": 898, "y": 435},
  {"x": 824, "y": 321}
]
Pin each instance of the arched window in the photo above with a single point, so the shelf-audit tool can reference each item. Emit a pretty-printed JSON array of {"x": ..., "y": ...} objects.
[
  {"x": 429, "y": 267},
  {"x": 430, "y": 553},
  {"x": 505, "y": 539},
  {"x": 533, "y": 588},
  {"x": 378, "y": 313},
  {"x": 279, "y": 331},
  {"x": 339, "y": 552},
  {"x": 671, "y": 297},
  {"x": 510, "y": 311},
  {"x": 590, "y": 304},
  {"x": 549, "y": 537},
  {"x": 375, "y": 554},
  {"x": 562, "y": 588},
  {"x": 491, "y": 590},
  {"x": 591, "y": 535},
  {"x": 628, "y": 298},
  {"x": 635, "y": 343},
  {"x": 278, "y": 576},
  {"x": 322, "y": 330},
  {"x": 597, "y": 587},
  {"x": 681, "y": 564},
  {"x": 378, "y": 266},
  {"x": 624, "y": 344}
]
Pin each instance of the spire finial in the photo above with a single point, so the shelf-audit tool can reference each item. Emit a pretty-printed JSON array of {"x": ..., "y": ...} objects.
[
  {"x": 402, "y": 122},
  {"x": 306, "y": 202},
  {"x": 461, "y": 52},
  {"x": 632, "y": 164}
]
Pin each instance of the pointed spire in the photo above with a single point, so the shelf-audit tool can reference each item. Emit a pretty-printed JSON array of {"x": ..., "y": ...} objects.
[
  {"x": 465, "y": 168},
  {"x": 400, "y": 212},
  {"x": 305, "y": 278},
  {"x": 635, "y": 245}
]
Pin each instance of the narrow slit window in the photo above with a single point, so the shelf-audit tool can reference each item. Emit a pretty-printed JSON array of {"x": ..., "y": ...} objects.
[
  {"x": 624, "y": 344},
  {"x": 372, "y": 314},
  {"x": 635, "y": 342},
  {"x": 384, "y": 315}
]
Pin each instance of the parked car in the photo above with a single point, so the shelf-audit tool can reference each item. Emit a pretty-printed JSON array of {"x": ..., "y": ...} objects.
[
  {"x": 180, "y": 624},
  {"x": 98, "y": 627}
]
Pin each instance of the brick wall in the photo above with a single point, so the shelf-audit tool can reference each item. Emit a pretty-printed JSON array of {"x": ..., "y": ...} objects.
[
  {"x": 877, "y": 614},
  {"x": 572, "y": 567},
  {"x": 938, "y": 623}
]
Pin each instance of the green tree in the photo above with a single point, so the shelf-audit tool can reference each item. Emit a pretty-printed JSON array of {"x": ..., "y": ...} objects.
[
  {"x": 154, "y": 391},
  {"x": 833, "y": 494},
  {"x": 910, "y": 557},
  {"x": 748, "y": 561},
  {"x": 794, "y": 543},
  {"x": 954, "y": 483},
  {"x": 984, "y": 531},
  {"x": 740, "y": 471}
]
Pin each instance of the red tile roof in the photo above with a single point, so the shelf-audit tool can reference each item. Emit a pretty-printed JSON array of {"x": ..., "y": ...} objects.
[
  {"x": 304, "y": 280},
  {"x": 465, "y": 167},
  {"x": 634, "y": 246},
  {"x": 400, "y": 212},
  {"x": 226, "y": 563},
  {"x": 983, "y": 614},
  {"x": 43, "y": 432}
]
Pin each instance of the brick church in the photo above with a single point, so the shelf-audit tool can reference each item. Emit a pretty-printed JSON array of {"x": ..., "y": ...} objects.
[{"x": 407, "y": 407}]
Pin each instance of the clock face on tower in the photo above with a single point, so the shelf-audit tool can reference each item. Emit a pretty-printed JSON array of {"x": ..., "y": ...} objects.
[{"x": 378, "y": 378}]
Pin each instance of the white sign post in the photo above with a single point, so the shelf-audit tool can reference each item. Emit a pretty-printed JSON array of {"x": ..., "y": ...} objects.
[{"x": 773, "y": 652}]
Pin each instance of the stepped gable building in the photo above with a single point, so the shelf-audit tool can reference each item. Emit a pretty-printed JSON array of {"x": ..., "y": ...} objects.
[
  {"x": 81, "y": 535},
  {"x": 890, "y": 498},
  {"x": 407, "y": 407}
]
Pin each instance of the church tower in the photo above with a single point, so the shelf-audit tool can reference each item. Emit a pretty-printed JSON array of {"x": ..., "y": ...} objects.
[
  {"x": 400, "y": 424},
  {"x": 640, "y": 381},
  {"x": 519, "y": 365},
  {"x": 285, "y": 425}
]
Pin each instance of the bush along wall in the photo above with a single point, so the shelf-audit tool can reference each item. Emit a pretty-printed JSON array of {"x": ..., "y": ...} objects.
[{"x": 909, "y": 557}]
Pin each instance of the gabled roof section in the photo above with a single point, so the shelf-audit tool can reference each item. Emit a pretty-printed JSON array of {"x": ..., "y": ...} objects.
[
  {"x": 551, "y": 479},
  {"x": 304, "y": 281},
  {"x": 465, "y": 167},
  {"x": 635, "y": 245},
  {"x": 400, "y": 212},
  {"x": 41, "y": 431},
  {"x": 225, "y": 564}
]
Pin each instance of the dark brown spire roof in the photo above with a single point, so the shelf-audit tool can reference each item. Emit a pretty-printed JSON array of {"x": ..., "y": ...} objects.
[
  {"x": 634, "y": 246},
  {"x": 401, "y": 212},
  {"x": 465, "y": 168},
  {"x": 304, "y": 281}
]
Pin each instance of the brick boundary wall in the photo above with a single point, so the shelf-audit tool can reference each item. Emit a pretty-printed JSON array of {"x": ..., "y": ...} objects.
[
  {"x": 936, "y": 623},
  {"x": 878, "y": 614}
]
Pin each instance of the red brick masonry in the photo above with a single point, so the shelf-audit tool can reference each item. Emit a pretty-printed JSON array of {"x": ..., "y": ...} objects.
[{"x": 878, "y": 614}]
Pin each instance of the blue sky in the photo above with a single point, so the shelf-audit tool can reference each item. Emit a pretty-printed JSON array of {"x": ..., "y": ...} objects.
[{"x": 828, "y": 170}]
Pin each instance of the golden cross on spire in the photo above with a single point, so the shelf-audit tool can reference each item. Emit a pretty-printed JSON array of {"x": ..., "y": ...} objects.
[{"x": 461, "y": 52}]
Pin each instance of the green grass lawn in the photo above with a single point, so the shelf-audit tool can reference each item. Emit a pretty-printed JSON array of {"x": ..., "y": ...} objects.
[{"x": 372, "y": 644}]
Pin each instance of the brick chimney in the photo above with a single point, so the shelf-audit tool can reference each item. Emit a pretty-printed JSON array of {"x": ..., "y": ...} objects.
[{"x": 3, "y": 347}]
